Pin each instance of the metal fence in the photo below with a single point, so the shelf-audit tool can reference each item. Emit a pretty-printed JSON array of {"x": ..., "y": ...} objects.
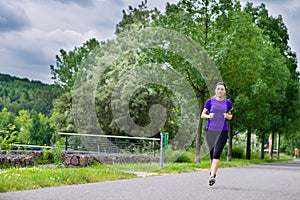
[{"x": 112, "y": 144}]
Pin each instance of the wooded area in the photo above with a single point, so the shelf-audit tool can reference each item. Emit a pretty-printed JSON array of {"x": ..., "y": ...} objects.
[
  {"x": 248, "y": 46},
  {"x": 26, "y": 108}
]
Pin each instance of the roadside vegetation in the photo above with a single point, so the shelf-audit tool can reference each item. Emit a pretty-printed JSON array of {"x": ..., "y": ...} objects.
[
  {"x": 13, "y": 179},
  {"x": 40, "y": 176}
]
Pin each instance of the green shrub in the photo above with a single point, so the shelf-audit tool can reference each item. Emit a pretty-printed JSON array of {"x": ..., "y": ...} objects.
[
  {"x": 185, "y": 157},
  {"x": 172, "y": 155},
  {"x": 48, "y": 156},
  {"x": 237, "y": 152},
  {"x": 58, "y": 155}
]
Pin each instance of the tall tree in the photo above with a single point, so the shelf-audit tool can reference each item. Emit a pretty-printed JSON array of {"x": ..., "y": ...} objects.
[
  {"x": 192, "y": 18},
  {"x": 69, "y": 63},
  {"x": 283, "y": 117},
  {"x": 247, "y": 58},
  {"x": 137, "y": 18}
]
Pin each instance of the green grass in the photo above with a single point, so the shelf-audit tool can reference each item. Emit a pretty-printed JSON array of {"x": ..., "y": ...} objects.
[
  {"x": 183, "y": 167},
  {"x": 13, "y": 179}
]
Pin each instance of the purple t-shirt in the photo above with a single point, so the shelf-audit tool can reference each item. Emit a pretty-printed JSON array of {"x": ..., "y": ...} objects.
[{"x": 218, "y": 123}]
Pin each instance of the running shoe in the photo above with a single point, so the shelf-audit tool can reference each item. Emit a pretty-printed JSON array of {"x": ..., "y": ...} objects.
[{"x": 211, "y": 180}]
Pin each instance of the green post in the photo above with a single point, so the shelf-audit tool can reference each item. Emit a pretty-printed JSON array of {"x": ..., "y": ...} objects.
[{"x": 166, "y": 139}]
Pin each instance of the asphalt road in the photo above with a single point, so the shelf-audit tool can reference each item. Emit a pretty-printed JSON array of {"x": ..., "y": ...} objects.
[{"x": 258, "y": 182}]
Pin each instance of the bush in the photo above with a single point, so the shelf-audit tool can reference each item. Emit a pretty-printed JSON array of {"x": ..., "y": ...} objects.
[
  {"x": 172, "y": 155},
  {"x": 58, "y": 155},
  {"x": 48, "y": 156},
  {"x": 185, "y": 157},
  {"x": 238, "y": 152}
]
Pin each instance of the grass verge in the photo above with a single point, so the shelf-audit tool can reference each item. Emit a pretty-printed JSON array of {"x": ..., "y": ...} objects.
[
  {"x": 13, "y": 179},
  {"x": 183, "y": 167}
]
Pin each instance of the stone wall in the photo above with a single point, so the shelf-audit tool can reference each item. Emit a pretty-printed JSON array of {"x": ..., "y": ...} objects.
[
  {"x": 36, "y": 154},
  {"x": 127, "y": 158},
  {"x": 19, "y": 158},
  {"x": 13, "y": 160},
  {"x": 77, "y": 158},
  {"x": 23, "y": 158},
  {"x": 82, "y": 158}
]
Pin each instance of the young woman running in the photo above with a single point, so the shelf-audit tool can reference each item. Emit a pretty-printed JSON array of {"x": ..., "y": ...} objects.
[{"x": 217, "y": 110}]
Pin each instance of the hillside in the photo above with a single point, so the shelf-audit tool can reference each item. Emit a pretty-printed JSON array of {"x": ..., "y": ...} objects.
[{"x": 22, "y": 94}]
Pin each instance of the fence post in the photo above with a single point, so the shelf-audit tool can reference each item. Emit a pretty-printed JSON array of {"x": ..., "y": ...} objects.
[
  {"x": 154, "y": 148},
  {"x": 161, "y": 159},
  {"x": 67, "y": 143}
]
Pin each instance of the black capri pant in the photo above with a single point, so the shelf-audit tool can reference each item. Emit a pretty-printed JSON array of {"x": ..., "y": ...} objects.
[{"x": 216, "y": 142}]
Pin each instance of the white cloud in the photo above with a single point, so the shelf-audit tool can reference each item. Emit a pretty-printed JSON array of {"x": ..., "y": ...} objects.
[
  {"x": 55, "y": 26},
  {"x": 45, "y": 27}
]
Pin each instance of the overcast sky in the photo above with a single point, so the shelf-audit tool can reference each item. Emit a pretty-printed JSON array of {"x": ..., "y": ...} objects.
[{"x": 33, "y": 31}]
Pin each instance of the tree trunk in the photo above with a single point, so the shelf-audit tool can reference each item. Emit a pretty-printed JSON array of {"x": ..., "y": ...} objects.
[
  {"x": 278, "y": 147},
  {"x": 248, "y": 149},
  {"x": 199, "y": 130},
  {"x": 229, "y": 153},
  {"x": 262, "y": 153},
  {"x": 272, "y": 145}
]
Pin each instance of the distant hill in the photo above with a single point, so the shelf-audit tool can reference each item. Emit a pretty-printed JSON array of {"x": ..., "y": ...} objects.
[{"x": 22, "y": 94}]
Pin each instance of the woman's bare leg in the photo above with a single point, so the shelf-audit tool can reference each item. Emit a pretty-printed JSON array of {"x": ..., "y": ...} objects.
[{"x": 214, "y": 167}]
